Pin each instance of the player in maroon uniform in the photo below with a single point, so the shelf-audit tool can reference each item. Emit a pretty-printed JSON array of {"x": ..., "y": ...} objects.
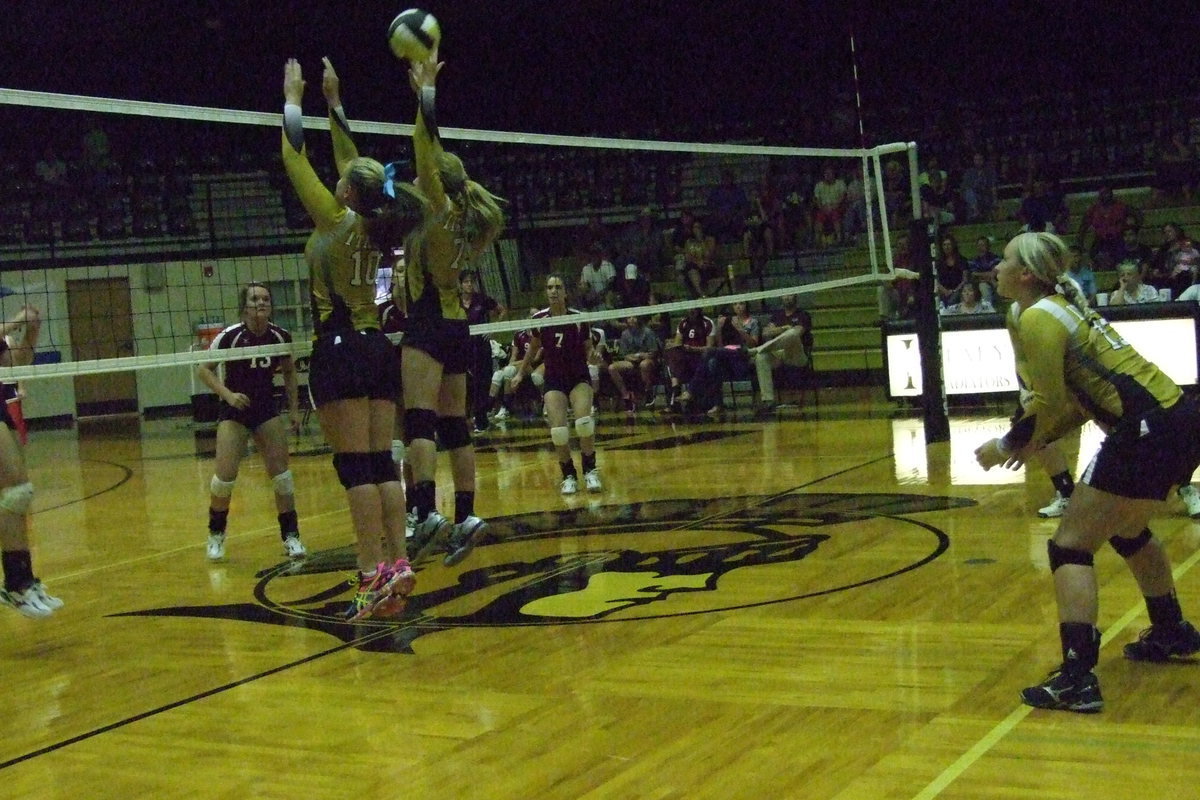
[
  {"x": 248, "y": 408},
  {"x": 694, "y": 337},
  {"x": 22, "y": 590},
  {"x": 565, "y": 350},
  {"x": 502, "y": 377}
]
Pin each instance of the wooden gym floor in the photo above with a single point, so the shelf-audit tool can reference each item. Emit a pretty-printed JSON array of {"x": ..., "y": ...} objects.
[{"x": 814, "y": 606}]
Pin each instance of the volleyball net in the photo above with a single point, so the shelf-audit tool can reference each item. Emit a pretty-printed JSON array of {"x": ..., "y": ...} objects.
[{"x": 133, "y": 226}]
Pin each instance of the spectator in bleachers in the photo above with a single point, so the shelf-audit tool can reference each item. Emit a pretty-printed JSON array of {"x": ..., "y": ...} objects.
[
  {"x": 593, "y": 237},
  {"x": 728, "y": 208},
  {"x": 632, "y": 287},
  {"x": 787, "y": 339},
  {"x": 695, "y": 263},
  {"x": 1130, "y": 288},
  {"x": 978, "y": 189},
  {"x": 758, "y": 237},
  {"x": 52, "y": 170},
  {"x": 795, "y": 214},
  {"x": 896, "y": 191},
  {"x": 898, "y": 298},
  {"x": 694, "y": 336},
  {"x": 932, "y": 172},
  {"x": 1039, "y": 209},
  {"x": 642, "y": 244},
  {"x": 1132, "y": 249},
  {"x": 1175, "y": 171},
  {"x": 1106, "y": 219},
  {"x": 1080, "y": 272},
  {"x": 970, "y": 301},
  {"x": 951, "y": 270},
  {"x": 596, "y": 281},
  {"x": 982, "y": 268},
  {"x": 937, "y": 199},
  {"x": 829, "y": 198},
  {"x": 1177, "y": 261},
  {"x": 854, "y": 218},
  {"x": 638, "y": 349}
]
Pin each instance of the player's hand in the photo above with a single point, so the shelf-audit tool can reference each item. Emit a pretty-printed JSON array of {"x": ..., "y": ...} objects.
[
  {"x": 330, "y": 85},
  {"x": 992, "y": 453},
  {"x": 514, "y": 382},
  {"x": 293, "y": 82},
  {"x": 238, "y": 400},
  {"x": 423, "y": 74}
]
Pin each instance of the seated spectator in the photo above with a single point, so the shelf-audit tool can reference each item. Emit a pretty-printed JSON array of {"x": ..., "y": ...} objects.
[
  {"x": 696, "y": 265},
  {"x": 728, "y": 208},
  {"x": 637, "y": 349},
  {"x": 53, "y": 171},
  {"x": 685, "y": 353},
  {"x": 758, "y": 237},
  {"x": 1081, "y": 273},
  {"x": 932, "y": 172},
  {"x": 1177, "y": 261},
  {"x": 787, "y": 339},
  {"x": 642, "y": 244},
  {"x": 854, "y": 218},
  {"x": 896, "y": 192},
  {"x": 796, "y": 217},
  {"x": 595, "y": 282},
  {"x": 970, "y": 301},
  {"x": 1039, "y": 209},
  {"x": 1132, "y": 249},
  {"x": 982, "y": 268},
  {"x": 937, "y": 199},
  {"x": 632, "y": 288},
  {"x": 1130, "y": 289},
  {"x": 1175, "y": 171},
  {"x": 728, "y": 360},
  {"x": 1106, "y": 220},
  {"x": 594, "y": 237},
  {"x": 829, "y": 198},
  {"x": 951, "y": 270},
  {"x": 978, "y": 189},
  {"x": 898, "y": 297}
]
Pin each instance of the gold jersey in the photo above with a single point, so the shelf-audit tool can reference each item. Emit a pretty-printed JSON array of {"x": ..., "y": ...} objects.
[
  {"x": 1074, "y": 368},
  {"x": 341, "y": 261}
]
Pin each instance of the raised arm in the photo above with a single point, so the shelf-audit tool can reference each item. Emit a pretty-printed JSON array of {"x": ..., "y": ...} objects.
[
  {"x": 320, "y": 203},
  {"x": 427, "y": 145},
  {"x": 344, "y": 150}
]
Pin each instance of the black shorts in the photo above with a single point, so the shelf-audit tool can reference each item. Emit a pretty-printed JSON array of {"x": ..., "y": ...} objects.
[
  {"x": 353, "y": 364},
  {"x": 260, "y": 410},
  {"x": 1143, "y": 458},
  {"x": 446, "y": 341},
  {"x": 565, "y": 383}
]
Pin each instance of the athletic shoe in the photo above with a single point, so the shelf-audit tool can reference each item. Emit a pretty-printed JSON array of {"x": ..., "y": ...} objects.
[
  {"x": 570, "y": 485},
  {"x": 1161, "y": 642},
  {"x": 426, "y": 536},
  {"x": 371, "y": 594},
  {"x": 1056, "y": 508},
  {"x": 1191, "y": 499},
  {"x": 26, "y": 602},
  {"x": 501, "y": 414},
  {"x": 1064, "y": 691},
  {"x": 216, "y": 546},
  {"x": 462, "y": 539},
  {"x": 293, "y": 547},
  {"x": 48, "y": 600},
  {"x": 402, "y": 584},
  {"x": 591, "y": 479}
]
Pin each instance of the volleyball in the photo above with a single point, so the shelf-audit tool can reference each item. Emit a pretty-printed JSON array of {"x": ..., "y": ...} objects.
[{"x": 413, "y": 34}]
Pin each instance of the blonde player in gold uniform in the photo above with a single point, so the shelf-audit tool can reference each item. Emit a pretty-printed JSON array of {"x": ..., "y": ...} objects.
[
  {"x": 1078, "y": 368},
  {"x": 463, "y": 219},
  {"x": 354, "y": 375}
]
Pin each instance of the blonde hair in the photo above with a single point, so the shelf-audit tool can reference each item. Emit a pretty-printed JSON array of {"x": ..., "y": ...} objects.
[
  {"x": 474, "y": 210},
  {"x": 1045, "y": 255},
  {"x": 387, "y": 218}
]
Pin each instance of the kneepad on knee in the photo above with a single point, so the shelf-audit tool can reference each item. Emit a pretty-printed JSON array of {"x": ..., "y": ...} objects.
[
  {"x": 420, "y": 423},
  {"x": 220, "y": 488},
  {"x": 17, "y": 499},
  {"x": 453, "y": 432},
  {"x": 1067, "y": 555},
  {"x": 354, "y": 469},
  {"x": 283, "y": 483},
  {"x": 585, "y": 427},
  {"x": 1127, "y": 547}
]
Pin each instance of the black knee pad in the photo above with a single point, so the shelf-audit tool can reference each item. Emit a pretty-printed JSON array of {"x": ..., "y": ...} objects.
[
  {"x": 453, "y": 432},
  {"x": 420, "y": 423},
  {"x": 354, "y": 469},
  {"x": 1067, "y": 555},
  {"x": 383, "y": 469},
  {"x": 1127, "y": 547}
]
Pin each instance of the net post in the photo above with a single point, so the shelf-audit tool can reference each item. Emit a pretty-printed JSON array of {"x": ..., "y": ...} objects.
[{"x": 922, "y": 241}]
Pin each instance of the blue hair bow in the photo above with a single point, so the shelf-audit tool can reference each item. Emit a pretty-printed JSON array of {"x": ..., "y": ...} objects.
[{"x": 389, "y": 179}]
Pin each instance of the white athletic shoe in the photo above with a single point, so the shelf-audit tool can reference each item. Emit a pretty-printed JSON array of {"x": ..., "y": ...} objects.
[
  {"x": 502, "y": 413},
  {"x": 1056, "y": 508},
  {"x": 591, "y": 479},
  {"x": 26, "y": 602},
  {"x": 570, "y": 485},
  {"x": 48, "y": 600},
  {"x": 1191, "y": 499},
  {"x": 216, "y": 546},
  {"x": 294, "y": 548}
]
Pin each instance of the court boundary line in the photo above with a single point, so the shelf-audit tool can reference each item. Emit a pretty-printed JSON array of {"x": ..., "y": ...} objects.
[{"x": 989, "y": 740}]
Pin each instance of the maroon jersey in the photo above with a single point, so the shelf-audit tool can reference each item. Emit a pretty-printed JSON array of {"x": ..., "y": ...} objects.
[
  {"x": 695, "y": 333},
  {"x": 521, "y": 341},
  {"x": 564, "y": 347},
  {"x": 253, "y": 377}
]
